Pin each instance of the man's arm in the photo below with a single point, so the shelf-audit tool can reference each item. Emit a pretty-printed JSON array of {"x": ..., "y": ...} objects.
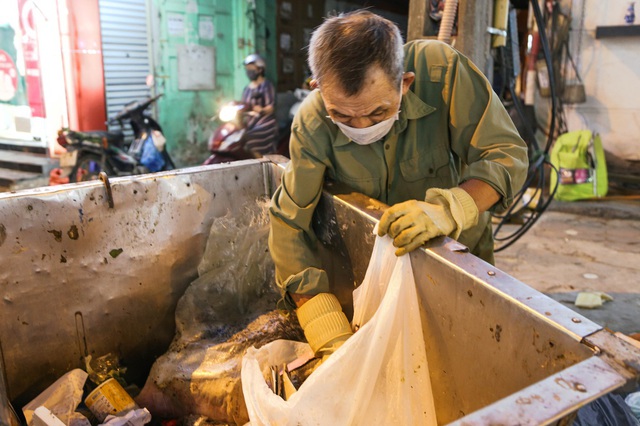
[
  {"x": 484, "y": 137},
  {"x": 292, "y": 241},
  {"x": 304, "y": 284},
  {"x": 495, "y": 157},
  {"x": 482, "y": 193}
]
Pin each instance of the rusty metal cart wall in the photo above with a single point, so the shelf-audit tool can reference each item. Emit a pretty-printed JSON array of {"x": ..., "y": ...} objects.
[{"x": 98, "y": 267}]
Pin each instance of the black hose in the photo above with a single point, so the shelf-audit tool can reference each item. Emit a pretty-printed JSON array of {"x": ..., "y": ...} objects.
[
  {"x": 546, "y": 51},
  {"x": 537, "y": 165}
]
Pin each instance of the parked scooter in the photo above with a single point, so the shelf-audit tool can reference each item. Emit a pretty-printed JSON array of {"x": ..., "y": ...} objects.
[{"x": 92, "y": 152}]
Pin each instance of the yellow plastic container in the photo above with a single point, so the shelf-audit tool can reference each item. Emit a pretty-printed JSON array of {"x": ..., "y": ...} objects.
[{"x": 109, "y": 398}]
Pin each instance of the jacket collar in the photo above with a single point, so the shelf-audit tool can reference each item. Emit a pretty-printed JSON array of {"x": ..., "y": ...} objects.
[{"x": 411, "y": 108}]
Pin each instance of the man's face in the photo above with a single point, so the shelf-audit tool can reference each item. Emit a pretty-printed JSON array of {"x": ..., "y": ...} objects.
[{"x": 378, "y": 100}]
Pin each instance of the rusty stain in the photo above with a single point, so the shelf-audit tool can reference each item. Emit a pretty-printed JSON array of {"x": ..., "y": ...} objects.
[
  {"x": 548, "y": 313},
  {"x": 498, "y": 331},
  {"x": 576, "y": 320},
  {"x": 3, "y": 234},
  {"x": 491, "y": 273},
  {"x": 556, "y": 397},
  {"x": 115, "y": 252},
  {"x": 523, "y": 401},
  {"x": 73, "y": 232},
  {"x": 563, "y": 383},
  {"x": 56, "y": 234},
  {"x": 580, "y": 387}
]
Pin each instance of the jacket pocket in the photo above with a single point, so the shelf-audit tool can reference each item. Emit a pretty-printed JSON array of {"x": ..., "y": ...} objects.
[
  {"x": 369, "y": 186},
  {"x": 437, "y": 166}
]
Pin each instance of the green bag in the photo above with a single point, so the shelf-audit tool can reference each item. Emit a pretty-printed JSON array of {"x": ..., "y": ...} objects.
[{"x": 582, "y": 169}]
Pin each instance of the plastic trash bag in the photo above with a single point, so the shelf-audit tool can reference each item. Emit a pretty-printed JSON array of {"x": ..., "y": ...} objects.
[
  {"x": 151, "y": 158},
  {"x": 633, "y": 401},
  {"x": 136, "y": 417},
  {"x": 379, "y": 376},
  {"x": 608, "y": 410}
]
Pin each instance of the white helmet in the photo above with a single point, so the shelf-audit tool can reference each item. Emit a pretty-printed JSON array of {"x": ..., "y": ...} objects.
[{"x": 255, "y": 59}]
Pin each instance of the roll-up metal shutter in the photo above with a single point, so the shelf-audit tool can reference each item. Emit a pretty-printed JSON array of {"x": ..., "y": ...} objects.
[{"x": 125, "y": 53}]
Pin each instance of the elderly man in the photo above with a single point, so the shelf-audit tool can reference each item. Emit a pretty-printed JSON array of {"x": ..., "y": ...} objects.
[{"x": 417, "y": 127}]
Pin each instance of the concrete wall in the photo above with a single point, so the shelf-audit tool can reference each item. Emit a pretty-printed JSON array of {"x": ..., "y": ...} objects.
[{"x": 610, "y": 68}]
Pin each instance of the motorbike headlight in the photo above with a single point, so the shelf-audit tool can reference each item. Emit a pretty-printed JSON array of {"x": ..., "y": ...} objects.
[{"x": 228, "y": 113}]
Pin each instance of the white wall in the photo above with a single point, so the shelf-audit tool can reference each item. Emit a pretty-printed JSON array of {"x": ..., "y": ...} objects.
[
  {"x": 52, "y": 72},
  {"x": 610, "y": 69}
]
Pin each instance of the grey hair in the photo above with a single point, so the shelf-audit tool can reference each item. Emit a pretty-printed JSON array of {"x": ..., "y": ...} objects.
[{"x": 344, "y": 47}]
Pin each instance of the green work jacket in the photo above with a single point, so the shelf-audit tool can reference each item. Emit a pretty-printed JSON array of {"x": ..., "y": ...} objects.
[{"x": 452, "y": 127}]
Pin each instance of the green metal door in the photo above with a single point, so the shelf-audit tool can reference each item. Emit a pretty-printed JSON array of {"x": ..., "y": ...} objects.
[{"x": 198, "y": 49}]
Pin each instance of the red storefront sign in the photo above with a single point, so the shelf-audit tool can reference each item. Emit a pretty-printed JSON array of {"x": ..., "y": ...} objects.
[{"x": 33, "y": 78}]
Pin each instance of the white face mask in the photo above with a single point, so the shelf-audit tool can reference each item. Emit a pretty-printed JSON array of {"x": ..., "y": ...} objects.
[{"x": 368, "y": 135}]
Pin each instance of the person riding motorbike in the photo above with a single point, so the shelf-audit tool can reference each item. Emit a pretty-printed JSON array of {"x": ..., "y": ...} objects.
[
  {"x": 259, "y": 96},
  {"x": 249, "y": 127}
]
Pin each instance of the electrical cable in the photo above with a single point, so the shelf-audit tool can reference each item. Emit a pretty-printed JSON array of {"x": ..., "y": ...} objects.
[{"x": 537, "y": 165}]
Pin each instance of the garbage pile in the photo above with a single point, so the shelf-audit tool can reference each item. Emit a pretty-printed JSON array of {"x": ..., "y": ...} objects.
[
  {"x": 227, "y": 309},
  {"x": 79, "y": 398}
]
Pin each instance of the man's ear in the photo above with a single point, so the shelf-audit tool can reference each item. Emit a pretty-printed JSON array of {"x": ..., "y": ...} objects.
[{"x": 407, "y": 80}]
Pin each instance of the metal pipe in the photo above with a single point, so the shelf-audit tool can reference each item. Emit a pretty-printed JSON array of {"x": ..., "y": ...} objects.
[
  {"x": 500, "y": 19},
  {"x": 448, "y": 18}
]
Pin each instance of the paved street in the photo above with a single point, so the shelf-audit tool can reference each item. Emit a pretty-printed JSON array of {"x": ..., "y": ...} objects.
[{"x": 584, "y": 246}]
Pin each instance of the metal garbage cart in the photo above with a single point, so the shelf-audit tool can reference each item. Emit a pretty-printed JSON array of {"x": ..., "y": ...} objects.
[{"x": 98, "y": 267}]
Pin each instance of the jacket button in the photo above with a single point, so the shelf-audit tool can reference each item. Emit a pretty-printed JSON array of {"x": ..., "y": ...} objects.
[
  {"x": 430, "y": 169},
  {"x": 387, "y": 146}
]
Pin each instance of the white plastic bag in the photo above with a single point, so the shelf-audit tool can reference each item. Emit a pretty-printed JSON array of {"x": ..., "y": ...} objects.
[
  {"x": 136, "y": 417},
  {"x": 379, "y": 376},
  {"x": 61, "y": 398}
]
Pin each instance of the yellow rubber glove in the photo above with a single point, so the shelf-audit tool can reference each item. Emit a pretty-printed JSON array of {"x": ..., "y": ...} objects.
[
  {"x": 413, "y": 223},
  {"x": 324, "y": 324}
]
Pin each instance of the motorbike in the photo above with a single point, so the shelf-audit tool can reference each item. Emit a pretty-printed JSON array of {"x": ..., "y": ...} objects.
[
  {"x": 226, "y": 142},
  {"x": 92, "y": 152}
]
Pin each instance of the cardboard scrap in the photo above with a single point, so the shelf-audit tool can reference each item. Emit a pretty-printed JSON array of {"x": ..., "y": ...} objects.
[{"x": 591, "y": 299}]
